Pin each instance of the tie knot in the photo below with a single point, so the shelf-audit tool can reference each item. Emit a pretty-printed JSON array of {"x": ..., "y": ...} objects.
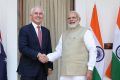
[{"x": 38, "y": 27}]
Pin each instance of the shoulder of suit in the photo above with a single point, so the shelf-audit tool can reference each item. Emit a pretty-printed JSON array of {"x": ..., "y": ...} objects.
[
  {"x": 44, "y": 28},
  {"x": 26, "y": 27}
]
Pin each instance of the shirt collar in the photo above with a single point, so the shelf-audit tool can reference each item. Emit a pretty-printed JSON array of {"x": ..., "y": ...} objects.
[{"x": 35, "y": 25}]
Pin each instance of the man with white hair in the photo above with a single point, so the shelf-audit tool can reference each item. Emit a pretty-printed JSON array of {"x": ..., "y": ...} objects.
[
  {"x": 77, "y": 50},
  {"x": 34, "y": 40}
]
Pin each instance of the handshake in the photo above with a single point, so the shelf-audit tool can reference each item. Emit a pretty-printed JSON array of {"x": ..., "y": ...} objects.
[{"x": 42, "y": 58}]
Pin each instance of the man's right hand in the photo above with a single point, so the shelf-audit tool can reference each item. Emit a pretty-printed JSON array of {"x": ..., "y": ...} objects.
[{"x": 42, "y": 58}]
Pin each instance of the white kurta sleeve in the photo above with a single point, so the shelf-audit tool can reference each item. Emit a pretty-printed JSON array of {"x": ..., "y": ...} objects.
[
  {"x": 90, "y": 44},
  {"x": 57, "y": 53}
]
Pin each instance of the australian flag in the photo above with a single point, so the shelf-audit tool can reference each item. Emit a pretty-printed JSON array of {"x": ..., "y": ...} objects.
[{"x": 3, "y": 68}]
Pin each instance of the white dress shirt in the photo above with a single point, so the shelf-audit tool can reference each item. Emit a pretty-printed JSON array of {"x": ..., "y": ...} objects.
[
  {"x": 36, "y": 30},
  {"x": 35, "y": 27},
  {"x": 90, "y": 44}
]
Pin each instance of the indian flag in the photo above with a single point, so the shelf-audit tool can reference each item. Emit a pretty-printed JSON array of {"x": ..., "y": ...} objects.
[
  {"x": 98, "y": 71},
  {"x": 115, "y": 74}
]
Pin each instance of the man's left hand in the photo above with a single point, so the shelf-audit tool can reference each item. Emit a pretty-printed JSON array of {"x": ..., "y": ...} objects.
[
  {"x": 89, "y": 75},
  {"x": 49, "y": 71}
]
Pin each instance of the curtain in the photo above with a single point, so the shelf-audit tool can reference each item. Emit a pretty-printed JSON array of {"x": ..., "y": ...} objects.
[{"x": 55, "y": 12}]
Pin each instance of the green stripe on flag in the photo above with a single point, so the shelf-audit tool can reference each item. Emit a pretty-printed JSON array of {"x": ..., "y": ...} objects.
[
  {"x": 115, "y": 68},
  {"x": 96, "y": 75}
]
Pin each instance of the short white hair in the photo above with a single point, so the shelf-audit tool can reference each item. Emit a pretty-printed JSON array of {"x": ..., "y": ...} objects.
[
  {"x": 77, "y": 14},
  {"x": 35, "y": 7}
]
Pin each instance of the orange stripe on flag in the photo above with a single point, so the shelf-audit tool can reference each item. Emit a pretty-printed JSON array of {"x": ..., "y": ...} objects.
[
  {"x": 95, "y": 26},
  {"x": 108, "y": 71},
  {"x": 118, "y": 19}
]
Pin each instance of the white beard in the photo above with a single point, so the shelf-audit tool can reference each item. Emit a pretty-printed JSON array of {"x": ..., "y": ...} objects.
[{"x": 73, "y": 25}]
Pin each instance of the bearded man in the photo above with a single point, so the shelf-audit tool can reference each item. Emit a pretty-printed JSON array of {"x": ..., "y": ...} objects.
[{"x": 77, "y": 50}]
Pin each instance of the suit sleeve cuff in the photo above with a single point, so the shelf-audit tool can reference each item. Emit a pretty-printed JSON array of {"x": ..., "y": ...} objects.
[
  {"x": 50, "y": 58},
  {"x": 38, "y": 55}
]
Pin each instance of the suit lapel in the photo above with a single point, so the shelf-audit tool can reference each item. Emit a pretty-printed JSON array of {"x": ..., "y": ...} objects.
[
  {"x": 33, "y": 34},
  {"x": 43, "y": 36}
]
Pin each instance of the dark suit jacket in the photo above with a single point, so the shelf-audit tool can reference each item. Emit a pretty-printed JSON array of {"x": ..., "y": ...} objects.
[{"x": 29, "y": 48}]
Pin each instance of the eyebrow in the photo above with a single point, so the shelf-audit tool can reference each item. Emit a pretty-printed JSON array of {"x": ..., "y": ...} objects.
[{"x": 71, "y": 17}]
